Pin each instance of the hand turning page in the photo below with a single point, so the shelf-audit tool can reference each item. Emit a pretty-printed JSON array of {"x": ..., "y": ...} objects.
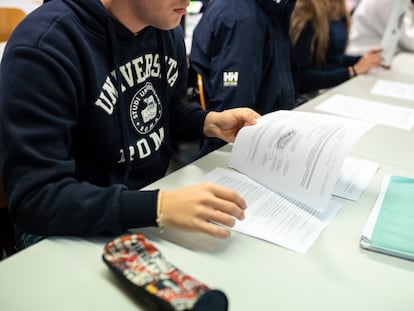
[{"x": 288, "y": 164}]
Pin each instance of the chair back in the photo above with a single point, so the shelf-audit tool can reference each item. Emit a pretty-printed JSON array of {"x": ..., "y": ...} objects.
[
  {"x": 201, "y": 91},
  {"x": 9, "y": 19}
]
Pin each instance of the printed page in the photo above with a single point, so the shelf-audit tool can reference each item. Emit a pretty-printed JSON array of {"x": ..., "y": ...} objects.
[
  {"x": 273, "y": 217},
  {"x": 363, "y": 109},
  {"x": 393, "y": 89},
  {"x": 354, "y": 178},
  {"x": 299, "y": 154}
]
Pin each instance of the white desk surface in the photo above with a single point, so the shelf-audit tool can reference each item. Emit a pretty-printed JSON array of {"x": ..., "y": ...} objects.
[
  {"x": 403, "y": 63},
  {"x": 335, "y": 274},
  {"x": 382, "y": 143}
]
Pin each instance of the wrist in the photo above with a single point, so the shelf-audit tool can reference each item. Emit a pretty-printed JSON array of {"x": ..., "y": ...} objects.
[
  {"x": 209, "y": 126},
  {"x": 160, "y": 216},
  {"x": 352, "y": 71}
]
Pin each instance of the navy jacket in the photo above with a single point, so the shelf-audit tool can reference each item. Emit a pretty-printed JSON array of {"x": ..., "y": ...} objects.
[
  {"x": 76, "y": 145},
  {"x": 335, "y": 70},
  {"x": 242, "y": 49}
]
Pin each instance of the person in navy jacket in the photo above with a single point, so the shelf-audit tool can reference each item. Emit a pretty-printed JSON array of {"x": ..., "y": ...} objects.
[
  {"x": 91, "y": 94},
  {"x": 242, "y": 50}
]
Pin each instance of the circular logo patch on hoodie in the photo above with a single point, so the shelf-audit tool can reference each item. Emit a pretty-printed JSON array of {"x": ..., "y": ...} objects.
[{"x": 145, "y": 109}]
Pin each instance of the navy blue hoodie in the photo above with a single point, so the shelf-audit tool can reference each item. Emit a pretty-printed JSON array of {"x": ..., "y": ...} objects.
[
  {"x": 76, "y": 145},
  {"x": 242, "y": 49}
]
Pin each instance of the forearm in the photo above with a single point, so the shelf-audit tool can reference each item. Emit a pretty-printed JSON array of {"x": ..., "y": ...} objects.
[
  {"x": 67, "y": 207},
  {"x": 311, "y": 80}
]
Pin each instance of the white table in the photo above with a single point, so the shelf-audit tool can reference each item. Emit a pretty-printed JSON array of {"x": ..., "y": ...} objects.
[
  {"x": 335, "y": 274},
  {"x": 403, "y": 63},
  {"x": 382, "y": 143}
]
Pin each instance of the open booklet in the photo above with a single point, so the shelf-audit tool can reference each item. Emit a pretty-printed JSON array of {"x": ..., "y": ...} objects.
[{"x": 286, "y": 167}]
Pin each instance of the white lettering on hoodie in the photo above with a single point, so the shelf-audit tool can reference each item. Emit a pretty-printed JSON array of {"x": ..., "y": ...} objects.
[{"x": 135, "y": 72}]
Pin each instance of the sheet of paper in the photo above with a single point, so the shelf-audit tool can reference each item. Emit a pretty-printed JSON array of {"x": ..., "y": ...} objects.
[
  {"x": 392, "y": 32},
  {"x": 299, "y": 154},
  {"x": 355, "y": 177},
  {"x": 273, "y": 217},
  {"x": 394, "y": 89},
  {"x": 363, "y": 109}
]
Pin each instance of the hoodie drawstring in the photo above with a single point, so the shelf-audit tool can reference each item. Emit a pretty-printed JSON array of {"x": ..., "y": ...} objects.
[
  {"x": 164, "y": 88},
  {"x": 123, "y": 121}
]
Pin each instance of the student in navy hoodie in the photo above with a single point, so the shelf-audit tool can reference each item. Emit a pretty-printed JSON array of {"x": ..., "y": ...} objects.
[
  {"x": 91, "y": 93},
  {"x": 242, "y": 50}
]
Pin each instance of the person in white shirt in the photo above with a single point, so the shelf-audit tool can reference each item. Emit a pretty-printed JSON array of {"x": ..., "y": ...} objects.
[{"x": 369, "y": 21}]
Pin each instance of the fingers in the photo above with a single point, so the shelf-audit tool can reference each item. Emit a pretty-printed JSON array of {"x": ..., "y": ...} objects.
[
  {"x": 227, "y": 201},
  {"x": 204, "y": 207},
  {"x": 211, "y": 214},
  {"x": 372, "y": 61},
  {"x": 252, "y": 116},
  {"x": 212, "y": 229},
  {"x": 368, "y": 62},
  {"x": 376, "y": 57},
  {"x": 220, "y": 210},
  {"x": 374, "y": 51},
  {"x": 227, "y": 123}
]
